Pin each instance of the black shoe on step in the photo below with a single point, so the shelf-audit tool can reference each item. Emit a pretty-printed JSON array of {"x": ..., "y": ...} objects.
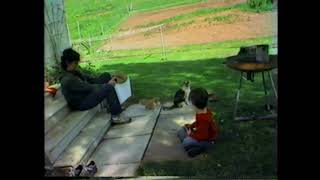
[
  {"x": 92, "y": 167},
  {"x": 78, "y": 170}
]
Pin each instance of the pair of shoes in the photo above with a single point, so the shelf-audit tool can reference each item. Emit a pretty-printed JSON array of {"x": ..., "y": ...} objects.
[
  {"x": 120, "y": 119},
  {"x": 77, "y": 171},
  {"x": 88, "y": 170},
  {"x": 92, "y": 168},
  {"x": 194, "y": 151}
]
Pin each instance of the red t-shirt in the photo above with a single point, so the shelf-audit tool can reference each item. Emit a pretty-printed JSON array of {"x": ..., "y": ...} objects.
[{"x": 205, "y": 127}]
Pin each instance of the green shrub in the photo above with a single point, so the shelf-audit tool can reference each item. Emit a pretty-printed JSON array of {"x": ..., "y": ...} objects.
[
  {"x": 259, "y": 4},
  {"x": 52, "y": 74}
]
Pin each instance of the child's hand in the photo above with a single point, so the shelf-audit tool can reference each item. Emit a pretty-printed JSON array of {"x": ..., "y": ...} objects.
[{"x": 188, "y": 131}]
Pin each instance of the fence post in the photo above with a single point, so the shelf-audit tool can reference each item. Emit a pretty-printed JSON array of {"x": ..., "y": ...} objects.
[
  {"x": 90, "y": 44},
  {"x": 102, "y": 29},
  {"x": 69, "y": 36},
  {"x": 79, "y": 30},
  {"x": 162, "y": 42},
  {"x": 110, "y": 41}
]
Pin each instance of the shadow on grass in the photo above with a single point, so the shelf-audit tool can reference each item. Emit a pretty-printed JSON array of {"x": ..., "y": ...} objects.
[{"x": 163, "y": 79}]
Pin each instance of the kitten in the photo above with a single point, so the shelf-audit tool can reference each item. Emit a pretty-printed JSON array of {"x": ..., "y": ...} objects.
[
  {"x": 150, "y": 103},
  {"x": 181, "y": 96}
]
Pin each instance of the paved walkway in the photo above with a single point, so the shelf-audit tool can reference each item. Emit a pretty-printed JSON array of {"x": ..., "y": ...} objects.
[
  {"x": 123, "y": 146},
  {"x": 151, "y": 136},
  {"x": 165, "y": 144}
]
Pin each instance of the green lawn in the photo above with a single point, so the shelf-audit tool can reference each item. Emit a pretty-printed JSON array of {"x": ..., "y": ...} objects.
[
  {"x": 246, "y": 150},
  {"x": 202, "y": 64},
  {"x": 181, "y": 53}
]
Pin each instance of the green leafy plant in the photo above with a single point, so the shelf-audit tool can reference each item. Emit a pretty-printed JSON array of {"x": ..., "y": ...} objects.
[{"x": 52, "y": 74}]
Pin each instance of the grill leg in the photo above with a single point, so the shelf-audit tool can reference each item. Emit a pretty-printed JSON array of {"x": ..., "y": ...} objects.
[
  {"x": 237, "y": 98},
  {"x": 273, "y": 86},
  {"x": 268, "y": 108}
]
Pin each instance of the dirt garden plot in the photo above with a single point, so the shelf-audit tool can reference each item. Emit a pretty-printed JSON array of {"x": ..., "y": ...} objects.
[{"x": 235, "y": 25}]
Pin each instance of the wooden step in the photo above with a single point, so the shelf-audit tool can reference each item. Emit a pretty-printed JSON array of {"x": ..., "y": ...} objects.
[
  {"x": 59, "y": 137},
  {"x": 85, "y": 143},
  {"x": 56, "y": 109}
]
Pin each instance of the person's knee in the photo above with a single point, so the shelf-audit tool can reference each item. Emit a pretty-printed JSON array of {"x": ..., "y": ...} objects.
[
  {"x": 185, "y": 142},
  {"x": 181, "y": 134},
  {"x": 106, "y": 75},
  {"x": 109, "y": 90},
  {"x": 108, "y": 87},
  {"x": 188, "y": 141},
  {"x": 104, "y": 90}
]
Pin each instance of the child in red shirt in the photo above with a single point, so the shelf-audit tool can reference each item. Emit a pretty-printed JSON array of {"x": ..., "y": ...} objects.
[{"x": 202, "y": 133}]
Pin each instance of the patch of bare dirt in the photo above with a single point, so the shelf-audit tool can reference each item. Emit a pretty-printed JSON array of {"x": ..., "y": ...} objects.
[
  {"x": 244, "y": 25},
  {"x": 149, "y": 17}
]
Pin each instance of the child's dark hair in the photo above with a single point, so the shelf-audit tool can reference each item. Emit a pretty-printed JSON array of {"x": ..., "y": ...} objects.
[
  {"x": 68, "y": 56},
  {"x": 199, "y": 97}
]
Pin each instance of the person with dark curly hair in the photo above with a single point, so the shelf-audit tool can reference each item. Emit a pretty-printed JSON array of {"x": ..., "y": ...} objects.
[{"x": 83, "y": 92}]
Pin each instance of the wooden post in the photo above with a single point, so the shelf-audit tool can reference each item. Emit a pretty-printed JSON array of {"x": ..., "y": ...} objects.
[
  {"x": 128, "y": 7},
  {"x": 79, "y": 30},
  {"x": 110, "y": 41},
  {"x": 162, "y": 42},
  {"x": 90, "y": 43},
  {"x": 102, "y": 29},
  {"x": 70, "y": 41}
]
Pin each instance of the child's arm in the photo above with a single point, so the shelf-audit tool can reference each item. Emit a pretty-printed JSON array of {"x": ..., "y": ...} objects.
[
  {"x": 213, "y": 129},
  {"x": 188, "y": 131},
  {"x": 190, "y": 125}
]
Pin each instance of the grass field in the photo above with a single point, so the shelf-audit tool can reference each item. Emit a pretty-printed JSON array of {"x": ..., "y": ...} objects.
[
  {"x": 148, "y": 71},
  {"x": 187, "y": 52}
]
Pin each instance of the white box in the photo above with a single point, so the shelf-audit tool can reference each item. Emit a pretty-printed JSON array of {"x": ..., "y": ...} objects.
[{"x": 123, "y": 90}]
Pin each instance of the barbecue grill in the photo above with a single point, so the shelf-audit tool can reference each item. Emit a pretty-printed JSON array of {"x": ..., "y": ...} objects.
[{"x": 251, "y": 60}]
